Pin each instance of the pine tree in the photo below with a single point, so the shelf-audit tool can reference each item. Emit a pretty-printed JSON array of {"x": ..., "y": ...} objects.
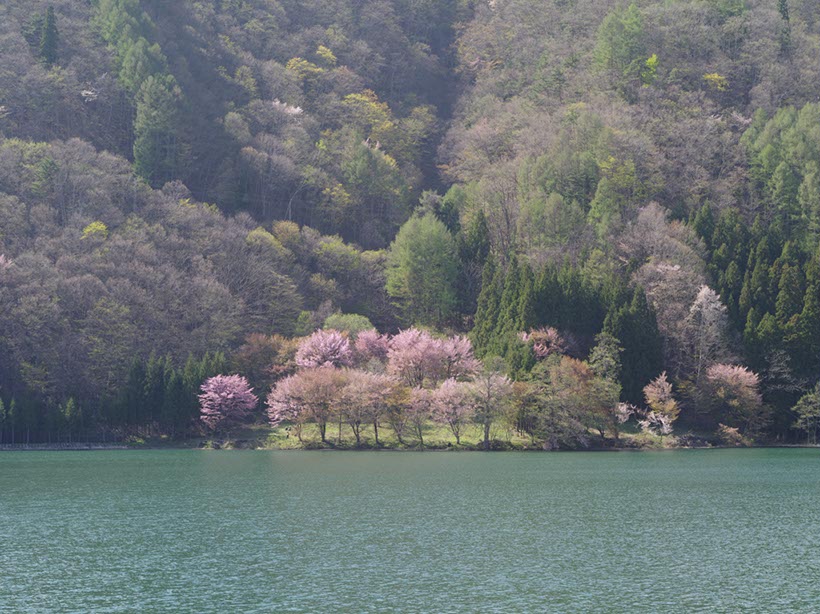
[
  {"x": 508, "y": 309},
  {"x": 49, "y": 38},
  {"x": 192, "y": 379},
  {"x": 635, "y": 324},
  {"x": 790, "y": 295},
  {"x": 704, "y": 224},
  {"x": 156, "y": 145},
  {"x": 805, "y": 336},
  {"x": 548, "y": 297},
  {"x": 786, "y": 29},
  {"x": 154, "y": 388},
  {"x": 132, "y": 398},
  {"x": 526, "y": 317},
  {"x": 175, "y": 412},
  {"x": 783, "y": 9},
  {"x": 486, "y": 313}
]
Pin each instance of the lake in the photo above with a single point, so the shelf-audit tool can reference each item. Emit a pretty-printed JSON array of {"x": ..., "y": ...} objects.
[{"x": 253, "y": 531}]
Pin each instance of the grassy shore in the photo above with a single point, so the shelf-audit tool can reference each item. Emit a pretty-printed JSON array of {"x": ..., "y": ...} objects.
[{"x": 435, "y": 437}]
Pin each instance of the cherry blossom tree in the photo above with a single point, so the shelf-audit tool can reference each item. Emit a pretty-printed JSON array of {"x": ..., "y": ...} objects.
[
  {"x": 491, "y": 391},
  {"x": 371, "y": 346},
  {"x": 659, "y": 398},
  {"x": 365, "y": 400},
  {"x": 663, "y": 408},
  {"x": 416, "y": 357},
  {"x": 457, "y": 359},
  {"x": 706, "y": 326},
  {"x": 623, "y": 412},
  {"x": 656, "y": 423},
  {"x": 324, "y": 348},
  {"x": 311, "y": 395},
  {"x": 225, "y": 400},
  {"x": 411, "y": 356},
  {"x": 419, "y": 410},
  {"x": 453, "y": 406},
  {"x": 734, "y": 396},
  {"x": 397, "y": 411}
]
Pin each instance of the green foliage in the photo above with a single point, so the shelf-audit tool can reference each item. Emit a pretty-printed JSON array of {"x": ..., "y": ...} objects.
[
  {"x": 49, "y": 38},
  {"x": 351, "y": 323},
  {"x": 784, "y": 151},
  {"x": 156, "y": 144},
  {"x": 621, "y": 46},
  {"x": 423, "y": 271},
  {"x": 96, "y": 230}
]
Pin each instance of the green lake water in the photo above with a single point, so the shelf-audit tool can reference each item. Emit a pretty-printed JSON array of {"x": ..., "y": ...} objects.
[{"x": 196, "y": 531}]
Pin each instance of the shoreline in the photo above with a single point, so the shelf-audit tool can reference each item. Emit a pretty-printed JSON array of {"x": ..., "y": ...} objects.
[{"x": 230, "y": 447}]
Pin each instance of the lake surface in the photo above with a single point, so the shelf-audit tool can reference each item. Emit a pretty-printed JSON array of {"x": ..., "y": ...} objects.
[{"x": 196, "y": 531}]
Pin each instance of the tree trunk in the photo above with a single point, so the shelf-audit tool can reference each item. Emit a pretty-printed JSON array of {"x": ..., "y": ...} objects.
[
  {"x": 487, "y": 435},
  {"x": 376, "y": 432}
]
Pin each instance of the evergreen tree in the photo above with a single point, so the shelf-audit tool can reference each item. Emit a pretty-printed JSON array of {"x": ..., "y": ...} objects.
[
  {"x": 175, "y": 410},
  {"x": 157, "y": 148},
  {"x": 486, "y": 316},
  {"x": 132, "y": 397},
  {"x": 508, "y": 308},
  {"x": 49, "y": 38},
  {"x": 704, "y": 224},
  {"x": 154, "y": 389},
  {"x": 526, "y": 317},
  {"x": 642, "y": 356}
]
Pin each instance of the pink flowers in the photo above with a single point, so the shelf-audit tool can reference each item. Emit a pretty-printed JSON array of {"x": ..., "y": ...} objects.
[
  {"x": 326, "y": 388},
  {"x": 416, "y": 357},
  {"x": 225, "y": 400},
  {"x": 454, "y": 406},
  {"x": 370, "y": 345},
  {"x": 324, "y": 348}
]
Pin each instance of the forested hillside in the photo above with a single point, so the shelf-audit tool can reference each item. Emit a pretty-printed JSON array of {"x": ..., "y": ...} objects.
[{"x": 596, "y": 193}]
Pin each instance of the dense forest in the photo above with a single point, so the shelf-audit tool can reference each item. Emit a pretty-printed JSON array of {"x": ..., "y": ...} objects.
[{"x": 605, "y": 213}]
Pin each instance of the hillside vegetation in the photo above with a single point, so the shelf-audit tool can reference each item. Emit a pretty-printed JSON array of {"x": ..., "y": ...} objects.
[{"x": 599, "y": 195}]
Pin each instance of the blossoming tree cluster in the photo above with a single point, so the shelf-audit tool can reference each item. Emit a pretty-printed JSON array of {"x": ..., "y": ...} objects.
[{"x": 404, "y": 381}]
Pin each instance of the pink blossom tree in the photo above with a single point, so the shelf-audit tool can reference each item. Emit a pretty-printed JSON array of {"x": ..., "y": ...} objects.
[
  {"x": 225, "y": 401},
  {"x": 663, "y": 408},
  {"x": 324, "y": 348},
  {"x": 657, "y": 423},
  {"x": 492, "y": 391},
  {"x": 419, "y": 410},
  {"x": 371, "y": 346},
  {"x": 364, "y": 399},
  {"x": 410, "y": 357},
  {"x": 311, "y": 395},
  {"x": 457, "y": 359},
  {"x": 735, "y": 396},
  {"x": 416, "y": 357},
  {"x": 623, "y": 412},
  {"x": 453, "y": 406}
]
